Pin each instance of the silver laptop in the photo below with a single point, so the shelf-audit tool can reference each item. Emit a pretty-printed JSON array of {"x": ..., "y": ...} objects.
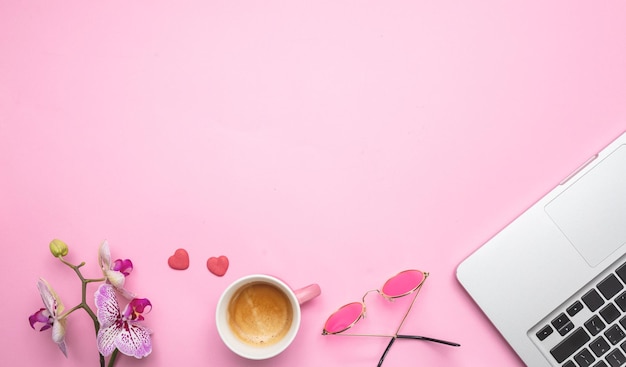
[{"x": 553, "y": 282}]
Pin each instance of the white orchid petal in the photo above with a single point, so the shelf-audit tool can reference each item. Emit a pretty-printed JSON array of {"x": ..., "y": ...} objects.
[
  {"x": 63, "y": 347},
  {"x": 116, "y": 278},
  {"x": 104, "y": 256},
  {"x": 58, "y": 335},
  {"x": 134, "y": 341},
  {"x": 47, "y": 295},
  {"x": 58, "y": 331},
  {"x": 106, "y": 303}
]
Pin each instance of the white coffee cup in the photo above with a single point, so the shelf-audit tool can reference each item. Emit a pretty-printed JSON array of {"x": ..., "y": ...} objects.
[{"x": 260, "y": 337}]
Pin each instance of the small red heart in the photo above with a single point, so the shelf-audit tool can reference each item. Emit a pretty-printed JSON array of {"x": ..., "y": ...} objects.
[
  {"x": 180, "y": 260},
  {"x": 217, "y": 265}
]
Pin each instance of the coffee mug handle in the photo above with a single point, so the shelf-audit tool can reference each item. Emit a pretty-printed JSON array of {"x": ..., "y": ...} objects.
[{"x": 307, "y": 293}]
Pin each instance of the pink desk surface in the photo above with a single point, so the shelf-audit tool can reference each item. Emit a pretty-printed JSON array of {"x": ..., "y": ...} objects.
[{"x": 329, "y": 142}]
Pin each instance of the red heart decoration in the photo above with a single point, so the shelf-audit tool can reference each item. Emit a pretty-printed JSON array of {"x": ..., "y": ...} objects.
[
  {"x": 217, "y": 265},
  {"x": 180, "y": 260}
]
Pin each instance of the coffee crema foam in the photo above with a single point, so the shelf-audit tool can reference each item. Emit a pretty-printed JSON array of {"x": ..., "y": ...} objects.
[{"x": 260, "y": 314}]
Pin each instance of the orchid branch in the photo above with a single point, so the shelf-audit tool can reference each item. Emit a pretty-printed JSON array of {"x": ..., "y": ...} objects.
[
  {"x": 117, "y": 330},
  {"x": 83, "y": 304}
]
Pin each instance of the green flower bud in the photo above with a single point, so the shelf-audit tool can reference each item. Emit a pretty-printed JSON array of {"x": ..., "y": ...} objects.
[{"x": 58, "y": 248}]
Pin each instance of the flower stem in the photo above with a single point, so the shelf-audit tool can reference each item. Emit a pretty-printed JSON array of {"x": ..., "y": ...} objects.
[
  {"x": 77, "y": 307},
  {"x": 83, "y": 304},
  {"x": 112, "y": 359}
]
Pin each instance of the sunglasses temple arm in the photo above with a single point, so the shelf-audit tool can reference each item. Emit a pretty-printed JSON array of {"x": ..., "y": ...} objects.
[
  {"x": 382, "y": 358},
  {"x": 425, "y": 338}
]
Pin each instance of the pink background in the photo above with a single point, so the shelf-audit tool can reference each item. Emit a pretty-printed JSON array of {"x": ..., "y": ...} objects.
[{"x": 329, "y": 142}]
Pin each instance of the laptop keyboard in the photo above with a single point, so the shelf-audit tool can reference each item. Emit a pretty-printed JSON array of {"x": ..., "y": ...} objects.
[{"x": 590, "y": 330}]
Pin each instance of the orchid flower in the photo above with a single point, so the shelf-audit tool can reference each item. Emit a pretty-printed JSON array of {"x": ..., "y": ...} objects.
[
  {"x": 115, "y": 272},
  {"x": 51, "y": 315},
  {"x": 121, "y": 329}
]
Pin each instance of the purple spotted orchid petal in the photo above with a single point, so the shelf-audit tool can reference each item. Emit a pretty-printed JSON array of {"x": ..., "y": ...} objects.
[
  {"x": 106, "y": 338},
  {"x": 108, "y": 310},
  {"x": 121, "y": 330},
  {"x": 134, "y": 340}
]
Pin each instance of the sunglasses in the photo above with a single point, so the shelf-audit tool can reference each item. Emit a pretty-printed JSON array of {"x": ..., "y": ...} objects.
[{"x": 402, "y": 284}]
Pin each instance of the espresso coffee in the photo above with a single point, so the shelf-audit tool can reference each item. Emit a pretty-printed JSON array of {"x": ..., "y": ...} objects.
[{"x": 260, "y": 314}]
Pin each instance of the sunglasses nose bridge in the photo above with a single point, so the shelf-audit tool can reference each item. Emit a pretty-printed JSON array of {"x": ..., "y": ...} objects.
[
  {"x": 364, "y": 311},
  {"x": 368, "y": 292}
]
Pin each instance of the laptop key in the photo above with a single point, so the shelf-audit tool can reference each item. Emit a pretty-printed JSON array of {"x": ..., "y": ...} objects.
[
  {"x": 566, "y": 328},
  {"x": 560, "y": 321},
  {"x": 595, "y": 325},
  {"x": 593, "y": 300},
  {"x": 609, "y": 286},
  {"x": 623, "y": 345},
  {"x": 576, "y": 307},
  {"x": 610, "y": 313},
  {"x": 616, "y": 358},
  {"x": 544, "y": 332},
  {"x": 622, "y": 321},
  {"x": 563, "y": 324},
  {"x": 621, "y": 272},
  {"x": 599, "y": 364},
  {"x": 614, "y": 334},
  {"x": 621, "y": 301},
  {"x": 584, "y": 358},
  {"x": 599, "y": 346},
  {"x": 570, "y": 344}
]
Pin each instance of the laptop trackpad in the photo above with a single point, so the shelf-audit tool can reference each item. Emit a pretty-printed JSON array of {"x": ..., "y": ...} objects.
[{"x": 592, "y": 211}]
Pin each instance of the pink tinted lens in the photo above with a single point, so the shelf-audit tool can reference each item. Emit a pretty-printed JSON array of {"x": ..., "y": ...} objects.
[
  {"x": 403, "y": 283},
  {"x": 343, "y": 318}
]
